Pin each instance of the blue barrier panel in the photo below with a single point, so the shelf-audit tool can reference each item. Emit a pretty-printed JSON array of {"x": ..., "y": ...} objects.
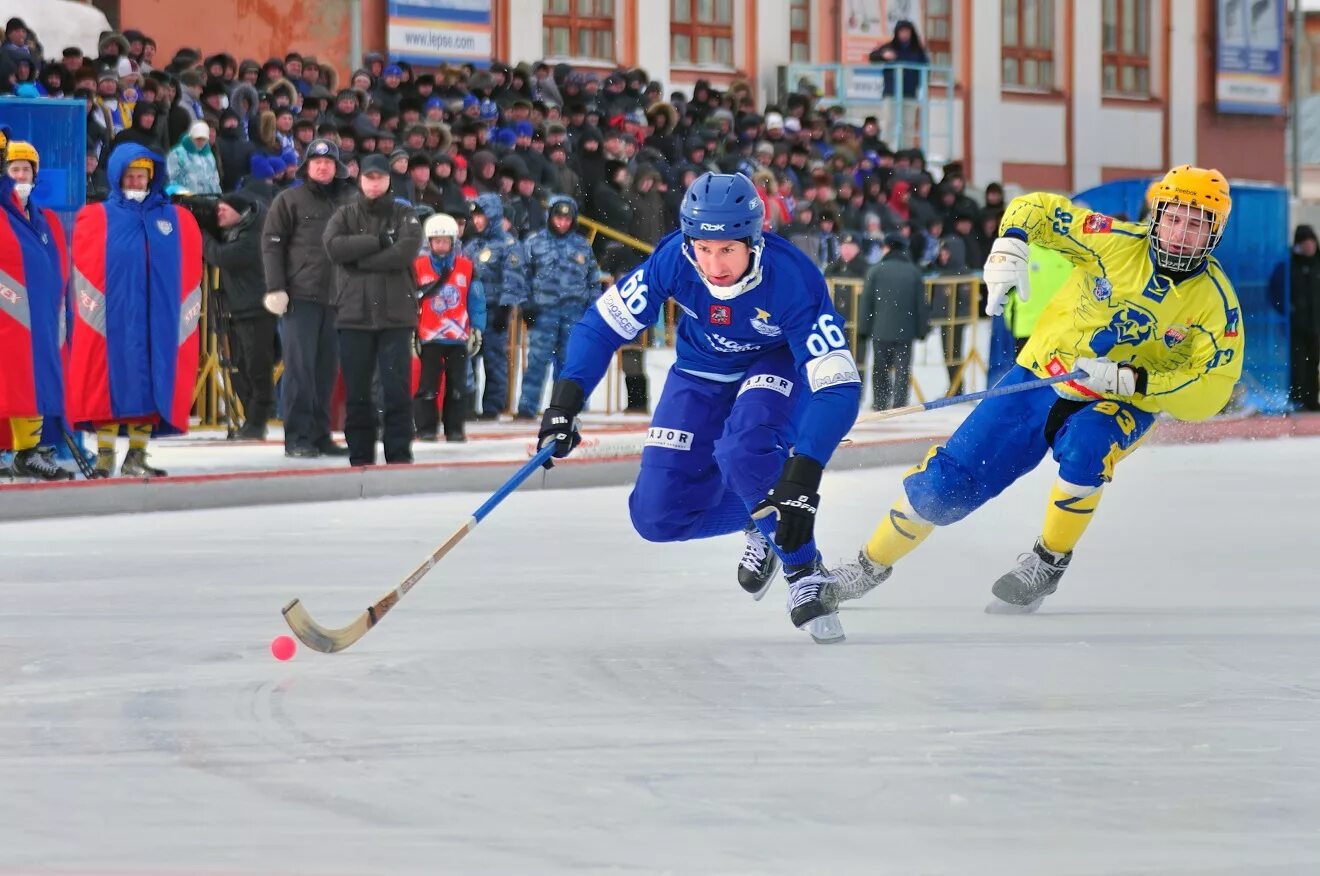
[
  {"x": 1255, "y": 254},
  {"x": 58, "y": 128}
]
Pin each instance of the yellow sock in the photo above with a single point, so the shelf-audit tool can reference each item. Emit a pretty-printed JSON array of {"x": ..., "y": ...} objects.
[
  {"x": 105, "y": 437},
  {"x": 898, "y": 534},
  {"x": 138, "y": 435},
  {"x": 1068, "y": 514},
  {"x": 26, "y": 432}
]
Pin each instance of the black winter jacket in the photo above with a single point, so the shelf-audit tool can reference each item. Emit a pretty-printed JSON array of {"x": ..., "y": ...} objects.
[
  {"x": 291, "y": 242},
  {"x": 237, "y": 253},
  {"x": 374, "y": 284}
]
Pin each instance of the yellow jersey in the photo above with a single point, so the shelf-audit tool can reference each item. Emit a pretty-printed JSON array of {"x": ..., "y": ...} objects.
[{"x": 1116, "y": 304}]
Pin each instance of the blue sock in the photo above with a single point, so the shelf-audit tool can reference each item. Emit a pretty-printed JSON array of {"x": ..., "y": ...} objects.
[
  {"x": 799, "y": 557},
  {"x": 728, "y": 516}
]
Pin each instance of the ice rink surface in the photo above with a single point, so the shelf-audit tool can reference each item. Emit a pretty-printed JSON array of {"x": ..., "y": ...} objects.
[{"x": 560, "y": 697}]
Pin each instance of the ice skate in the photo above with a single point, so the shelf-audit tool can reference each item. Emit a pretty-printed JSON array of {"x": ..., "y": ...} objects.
[
  {"x": 41, "y": 466},
  {"x": 759, "y": 563},
  {"x": 805, "y": 607},
  {"x": 105, "y": 463},
  {"x": 853, "y": 580},
  {"x": 135, "y": 466},
  {"x": 1022, "y": 590}
]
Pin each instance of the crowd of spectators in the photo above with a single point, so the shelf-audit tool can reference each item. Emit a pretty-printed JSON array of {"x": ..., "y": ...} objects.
[
  {"x": 239, "y": 129},
  {"x": 616, "y": 144}
]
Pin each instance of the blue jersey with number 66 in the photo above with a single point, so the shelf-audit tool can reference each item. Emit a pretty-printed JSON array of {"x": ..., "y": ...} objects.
[{"x": 786, "y": 304}]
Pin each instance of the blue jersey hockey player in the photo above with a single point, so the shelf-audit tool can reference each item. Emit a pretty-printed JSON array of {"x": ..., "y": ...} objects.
[{"x": 763, "y": 389}]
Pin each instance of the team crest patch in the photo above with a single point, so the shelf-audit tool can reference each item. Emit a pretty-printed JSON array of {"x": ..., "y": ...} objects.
[
  {"x": 164, "y": 226},
  {"x": 721, "y": 314},
  {"x": 1175, "y": 335},
  {"x": 761, "y": 322},
  {"x": 1231, "y": 326},
  {"x": 1098, "y": 223},
  {"x": 1103, "y": 289}
]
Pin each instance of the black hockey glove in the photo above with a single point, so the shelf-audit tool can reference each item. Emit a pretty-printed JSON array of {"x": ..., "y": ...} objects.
[
  {"x": 559, "y": 423},
  {"x": 499, "y": 318},
  {"x": 795, "y": 500}
]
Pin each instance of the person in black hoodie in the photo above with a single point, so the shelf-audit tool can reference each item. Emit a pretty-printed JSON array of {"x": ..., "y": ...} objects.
[
  {"x": 234, "y": 149},
  {"x": 1304, "y": 322},
  {"x": 905, "y": 48},
  {"x": 610, "y": 201}
]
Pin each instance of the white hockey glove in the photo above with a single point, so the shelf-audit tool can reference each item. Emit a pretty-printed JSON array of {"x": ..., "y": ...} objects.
[
  {"x": 1006, "y": 269},
  {"x": 276, "y": 302},
  {"x": 474, "y": 341},
  {"x": 1109, "y": 378}
]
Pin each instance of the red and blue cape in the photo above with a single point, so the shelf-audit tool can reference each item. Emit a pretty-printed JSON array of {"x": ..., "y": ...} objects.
[{"x": 137, "y": 278}]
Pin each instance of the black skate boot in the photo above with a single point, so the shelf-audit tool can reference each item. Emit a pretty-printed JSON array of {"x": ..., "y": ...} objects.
[
  {"x": 135, "y": 466},
  {"x": 854, "y": 580},
  {"x": 105, "y": 463},
  {"x": 36, "y": 464},
  {"x": 759, "y": 563},
  {"x": 805, "y": 607},
  {"x": 1022, "y": 590}
]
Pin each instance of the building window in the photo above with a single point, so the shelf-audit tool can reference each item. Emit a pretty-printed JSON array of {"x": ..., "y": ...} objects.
[
  {"x": 938, "y": 37},
  {"x": 1028, "y": 53},
  {"x": 799, "y": 32},
  {"x": 1125, "y": 51},
  {"x": 701, "y": 32},
  {"x": 578, "y": 29}
]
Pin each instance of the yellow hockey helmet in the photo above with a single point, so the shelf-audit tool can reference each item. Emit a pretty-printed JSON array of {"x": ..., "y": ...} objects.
[
  {"x": 4, "y": 140},
  {"x": 143, "y": 164},
  {"x": 18, "y": 150},
  {"x": 1204, "y": 191}
]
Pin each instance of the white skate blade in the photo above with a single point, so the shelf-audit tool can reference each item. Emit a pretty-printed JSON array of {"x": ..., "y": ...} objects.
[
  {"x": 826, "y": 629},
  {"x": 999, "y": 606},
  {"x": 760, "y": 594}
]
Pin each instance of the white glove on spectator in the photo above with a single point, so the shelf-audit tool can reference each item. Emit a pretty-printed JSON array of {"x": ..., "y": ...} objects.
[
  {"x": 1108, "y": 378},
  {"x": 474, "y": 341},
  {"x": 1006, "y": 269},
  {"x": 276, "y": 302}
]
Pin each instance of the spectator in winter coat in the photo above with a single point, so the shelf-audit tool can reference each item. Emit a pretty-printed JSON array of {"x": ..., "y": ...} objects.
[
  {"x": 372, "y": 244},
  {"x": 1304, "y": 320},
  {"x": 191, "y": 164},
  {"x": 650, "y": 219},
  {"x": 895, "y": 306},
  {"x": 953, "y": 306},
  {"x": 298, "y": 288},
  {"x": 851, "y": 265},
  {"x": 236, "y": 251}
]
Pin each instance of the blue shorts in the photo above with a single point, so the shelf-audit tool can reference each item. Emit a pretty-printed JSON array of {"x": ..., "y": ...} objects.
[
  {"x": 1008, "y": 436},
  {"x": 715, "y": 449}
]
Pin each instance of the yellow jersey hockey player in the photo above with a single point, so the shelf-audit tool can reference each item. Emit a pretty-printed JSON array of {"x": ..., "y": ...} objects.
[{"x": 1151, "y": 318}]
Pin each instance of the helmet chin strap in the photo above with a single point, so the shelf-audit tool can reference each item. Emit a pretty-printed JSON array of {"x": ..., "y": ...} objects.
[{"x": 749, "y": 281}]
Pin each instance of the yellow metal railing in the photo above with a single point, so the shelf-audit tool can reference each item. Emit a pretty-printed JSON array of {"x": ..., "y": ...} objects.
[{"x": 958, "y": 316}]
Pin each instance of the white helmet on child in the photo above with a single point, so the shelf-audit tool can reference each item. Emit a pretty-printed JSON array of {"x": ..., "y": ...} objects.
[{"x": 440, "y": 225}]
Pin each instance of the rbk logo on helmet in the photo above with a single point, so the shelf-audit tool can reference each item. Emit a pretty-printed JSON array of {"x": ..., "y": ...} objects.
[{"x": 706, "y": 226}]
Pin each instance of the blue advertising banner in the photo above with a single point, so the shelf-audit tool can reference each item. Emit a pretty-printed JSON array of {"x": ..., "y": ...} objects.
[
  {"x": 1249, "y": 75},
  {"x": 434, "y": 32}
]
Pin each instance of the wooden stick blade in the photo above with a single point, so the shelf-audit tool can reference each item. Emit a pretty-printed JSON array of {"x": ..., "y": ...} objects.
[{"x": 319, "y": 638}]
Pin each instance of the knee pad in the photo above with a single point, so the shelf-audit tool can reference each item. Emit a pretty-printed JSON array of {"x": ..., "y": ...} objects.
[
  {"x": 942, "y": 491},
  {"x": 1086, "y": 463},
  {"x": 750, "y": 459}
]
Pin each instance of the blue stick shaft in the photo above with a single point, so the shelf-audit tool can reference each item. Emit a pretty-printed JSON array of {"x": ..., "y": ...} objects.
[
  {"x": 996, "y": 391},
  {"x": 971, "y": 397},
  {"x": 514, "y": 482}
]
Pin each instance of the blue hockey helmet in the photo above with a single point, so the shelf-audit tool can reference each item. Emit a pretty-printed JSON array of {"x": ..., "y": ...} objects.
[{"x": 722, "y": 206}]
